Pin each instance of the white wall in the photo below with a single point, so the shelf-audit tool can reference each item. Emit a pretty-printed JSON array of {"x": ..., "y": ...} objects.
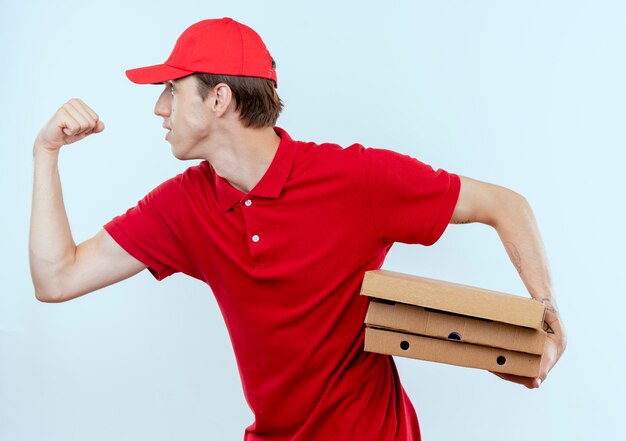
[{"x": 529, "y": 95}]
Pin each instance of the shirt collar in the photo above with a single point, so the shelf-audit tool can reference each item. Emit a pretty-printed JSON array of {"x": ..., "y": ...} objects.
[{"x": 272, "y": 182}]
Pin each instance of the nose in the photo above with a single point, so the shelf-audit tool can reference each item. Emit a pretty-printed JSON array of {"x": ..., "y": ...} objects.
[{"x": 163, "y": 105}]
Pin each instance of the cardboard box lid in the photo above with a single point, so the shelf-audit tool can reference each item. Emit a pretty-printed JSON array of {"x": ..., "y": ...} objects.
[
  {"x": 447, "y": 326},
  {"x": 452, "y": 297}
]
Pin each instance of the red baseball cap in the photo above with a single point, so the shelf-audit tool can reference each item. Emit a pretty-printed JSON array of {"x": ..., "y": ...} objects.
[{"x": 217, "y": 46}]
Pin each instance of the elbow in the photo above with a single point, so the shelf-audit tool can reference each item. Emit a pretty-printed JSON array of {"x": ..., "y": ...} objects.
[
  {"x": 47, "y": 295},
  {"x": 47, "y": 298},
  {"x": 49, "y": 281},
  {"x": 514, "y": 206},
  {"x": 487, "y": 203}
]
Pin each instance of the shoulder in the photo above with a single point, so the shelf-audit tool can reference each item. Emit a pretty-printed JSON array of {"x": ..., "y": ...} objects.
[
  {"x": 358, "y": 160},
  {"x": 395, "y": 165},
  {"x": 331, "y": 154},
  {"x": 357, "y": 157},
  {"x": 353, "y": 152},
  {"x": 333, "y": 157}
]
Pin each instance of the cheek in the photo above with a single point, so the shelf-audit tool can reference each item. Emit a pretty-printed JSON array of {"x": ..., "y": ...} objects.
[
  {"x": 197, "y": 121},
  {"x": 189, "y": 117}
]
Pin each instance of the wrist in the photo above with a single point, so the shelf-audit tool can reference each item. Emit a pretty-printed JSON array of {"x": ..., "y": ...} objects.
[
  {"x": 550, "y": 305},
  {"x": 41, "y": 149}
]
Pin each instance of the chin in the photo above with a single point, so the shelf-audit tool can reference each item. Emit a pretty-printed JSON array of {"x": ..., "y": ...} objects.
[
  {"x": 178, "y": 155},
  {"x": 182, "y": 155}
]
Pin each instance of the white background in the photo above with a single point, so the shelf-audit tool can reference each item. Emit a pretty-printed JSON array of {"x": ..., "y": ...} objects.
[{"x": 526, "y": 94}]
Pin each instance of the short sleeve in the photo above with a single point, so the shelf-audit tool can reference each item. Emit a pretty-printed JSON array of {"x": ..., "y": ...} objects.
[
  {"x": 411, "y": 202},
  {"x": 149, "y": 231}
]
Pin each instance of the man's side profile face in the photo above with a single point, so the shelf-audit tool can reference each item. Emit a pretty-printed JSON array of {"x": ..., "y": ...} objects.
[{"x": 191, "y": 121}]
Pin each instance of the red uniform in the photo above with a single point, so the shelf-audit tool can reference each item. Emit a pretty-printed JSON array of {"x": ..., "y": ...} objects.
[{"x": 285, "y": 263}]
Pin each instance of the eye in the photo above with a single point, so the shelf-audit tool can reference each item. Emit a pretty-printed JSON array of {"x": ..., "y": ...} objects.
[{"x": 171, "y": 89}]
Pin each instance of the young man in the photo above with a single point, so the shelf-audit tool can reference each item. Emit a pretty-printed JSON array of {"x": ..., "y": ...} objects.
[{"x": 282, "y": 231}]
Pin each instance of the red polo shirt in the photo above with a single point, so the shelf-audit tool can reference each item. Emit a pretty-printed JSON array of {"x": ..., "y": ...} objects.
[{"x": 285, "y": 263}]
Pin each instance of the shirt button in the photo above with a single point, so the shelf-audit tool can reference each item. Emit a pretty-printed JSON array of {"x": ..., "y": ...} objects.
[
  {"x": 248, "y": 202},
  {"x": 255, "y": 238}
]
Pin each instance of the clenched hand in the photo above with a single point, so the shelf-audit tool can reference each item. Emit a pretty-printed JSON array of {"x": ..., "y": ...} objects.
[{"x": 74, "y": 121}]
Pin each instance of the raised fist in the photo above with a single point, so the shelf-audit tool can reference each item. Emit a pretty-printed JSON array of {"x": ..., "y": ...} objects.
[{"x": 72, "y": 122}]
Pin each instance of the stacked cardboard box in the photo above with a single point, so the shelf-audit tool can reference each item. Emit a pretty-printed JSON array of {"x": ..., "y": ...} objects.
[{"x": 433, "y": 320}]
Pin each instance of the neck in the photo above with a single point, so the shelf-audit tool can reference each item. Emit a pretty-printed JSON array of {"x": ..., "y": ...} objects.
[{"x": 244, "y": 155}]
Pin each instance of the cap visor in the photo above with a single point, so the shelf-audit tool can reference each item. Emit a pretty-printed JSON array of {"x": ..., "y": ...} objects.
[{"x": 159, "y": 73}]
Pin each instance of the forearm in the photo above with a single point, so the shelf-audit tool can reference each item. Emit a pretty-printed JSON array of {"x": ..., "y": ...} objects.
[
  {"x": 51, "y": 246},
  {"x": 519, "y": 233},
  {"x": 510, "y": 214}
]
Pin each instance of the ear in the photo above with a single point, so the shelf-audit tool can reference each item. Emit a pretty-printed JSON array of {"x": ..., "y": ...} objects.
[{"x": 221, "y": 99}]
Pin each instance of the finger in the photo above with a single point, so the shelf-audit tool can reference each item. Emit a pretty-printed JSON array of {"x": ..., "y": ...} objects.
[
  {"x": 76, "y": 123},
  {"x": 67, "y": 123},
  {"x": 80, "y": 104},
  {"x": 84, "y": 119},
  {"x": 548, "y": 359},
  {"x": 75, "y": 138},
  {"x": 529, "y": 382},
  {"x": 87, "y": 109}
]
